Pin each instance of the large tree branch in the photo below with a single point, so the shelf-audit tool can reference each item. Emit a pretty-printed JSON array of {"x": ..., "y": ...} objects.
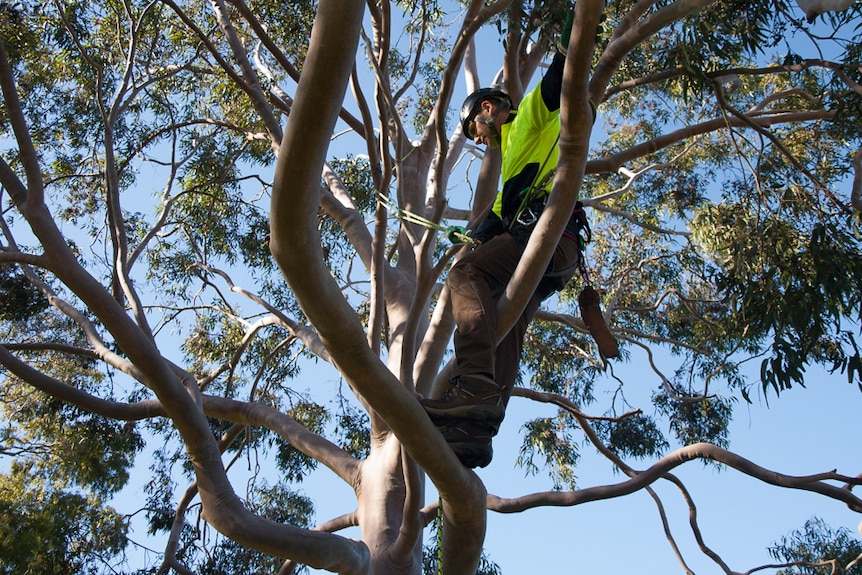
[
  {"x": 380, "y": 163},
  {"x": 311, "y": 444},
  {"x": 633, "y": 32},
  {"x": 339, "y": 461},
  {"x": 434, "y": 344},
  {"x": 113, "y": 409},
  {"x": 612, "y": 163},
  {"x": 296, "y": 247},
  {"x": 412, "y": 524},
  {"x": 814, "y": 483},
  {"x": 576, "y": 126}
]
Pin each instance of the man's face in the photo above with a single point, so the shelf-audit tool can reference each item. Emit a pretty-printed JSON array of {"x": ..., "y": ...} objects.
[{"x": 480, "y": 131}]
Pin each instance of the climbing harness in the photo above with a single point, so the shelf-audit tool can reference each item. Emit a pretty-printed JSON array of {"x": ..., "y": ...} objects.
[
  {"x": 455, "y": 234},
  {"x": 578, "y": 228},
  {"x": 525, "y": 215}
]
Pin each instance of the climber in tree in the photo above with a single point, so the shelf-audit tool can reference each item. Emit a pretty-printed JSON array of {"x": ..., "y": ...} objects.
[{"x": 470, "y": 411}]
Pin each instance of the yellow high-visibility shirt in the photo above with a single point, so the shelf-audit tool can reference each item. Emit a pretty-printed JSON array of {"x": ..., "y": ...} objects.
[{"x": 529, "y": 148}]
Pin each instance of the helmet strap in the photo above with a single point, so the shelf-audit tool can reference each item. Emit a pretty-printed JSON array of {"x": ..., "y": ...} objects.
[{"x": 492, "y": 126}]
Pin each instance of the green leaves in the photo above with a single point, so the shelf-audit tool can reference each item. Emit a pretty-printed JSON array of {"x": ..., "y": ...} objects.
[
  {"x": 53, "y": 531},
  {"x": 786, "y": 284},
  {"x": 19, "y": 298},
  {"x": 818, "y": 543},
  {"x": 634, "y": 435},
  {"x": 696, "y": 420},
  {"x": 294, "y": 464},
  {"x": 548, "y": 440},
  {"x": 70, "y": 447}
]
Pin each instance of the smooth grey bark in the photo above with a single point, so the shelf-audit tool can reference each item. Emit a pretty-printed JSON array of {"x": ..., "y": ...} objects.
[{"x": 295, "y": 244}]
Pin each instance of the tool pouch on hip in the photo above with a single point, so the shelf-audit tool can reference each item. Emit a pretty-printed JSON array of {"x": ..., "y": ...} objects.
[{"x": 591, "y": 313}]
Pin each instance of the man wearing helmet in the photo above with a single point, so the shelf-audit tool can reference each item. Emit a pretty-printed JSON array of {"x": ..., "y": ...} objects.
[
  {"x": 470, "y": 411},
  {"x": 484, "y": 130}
]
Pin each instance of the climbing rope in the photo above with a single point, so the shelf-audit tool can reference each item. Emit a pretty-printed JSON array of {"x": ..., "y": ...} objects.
[
  {"x": 455, "y": 234},
  {"x": 583, "y": 237},
  {"x": 440, "y": 536}
]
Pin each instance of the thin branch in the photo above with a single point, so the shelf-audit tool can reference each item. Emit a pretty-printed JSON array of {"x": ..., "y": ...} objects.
[
  {"x": 84, "y": 322},
  {"x": 251, "y": 84},
  {"x": 695, "y": 527},
  {"x": 33, "y": 195},
  {"x": 612, "y": 163},
  {"x": 282, "y": 60},
  {"x": 633, "y": 176},
  {"x": 856, "y": 190},
  {"x": 813, "y": 483},
  {"x": 308, "y": 336},
  {"x": 170, "y": 560},
  {"x": 633, "y": 33},
  {"x": 417, "y": 53},
  {"x": 145, "y": 409},
  {"x": 751, "y": 123}
]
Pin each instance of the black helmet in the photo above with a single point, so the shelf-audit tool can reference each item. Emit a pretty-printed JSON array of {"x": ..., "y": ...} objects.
[{"x": 470, "y": 106}]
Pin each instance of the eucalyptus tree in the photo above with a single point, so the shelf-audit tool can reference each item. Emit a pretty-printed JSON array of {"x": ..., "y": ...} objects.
[{"x": 205, "y": 203}]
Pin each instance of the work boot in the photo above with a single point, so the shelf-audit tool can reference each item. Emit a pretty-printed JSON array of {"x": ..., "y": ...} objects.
[
  {"x": 591, "y": 313},
  {"x": 471, "y": 442},
  {"x": 472, "y": 397}
]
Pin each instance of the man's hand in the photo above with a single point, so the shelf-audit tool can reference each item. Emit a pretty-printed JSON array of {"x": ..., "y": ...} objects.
[
  {"x": 459, "y": 235},
  {"x": 566, "y": 33},
  {"x": 567, "y": 29}
]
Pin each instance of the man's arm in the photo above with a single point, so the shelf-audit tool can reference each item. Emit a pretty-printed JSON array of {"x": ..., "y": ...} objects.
[{"x": 552, "y": 83}]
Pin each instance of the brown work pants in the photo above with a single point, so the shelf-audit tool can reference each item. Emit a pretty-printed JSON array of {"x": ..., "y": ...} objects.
[{"x": 476, "y": 281}]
